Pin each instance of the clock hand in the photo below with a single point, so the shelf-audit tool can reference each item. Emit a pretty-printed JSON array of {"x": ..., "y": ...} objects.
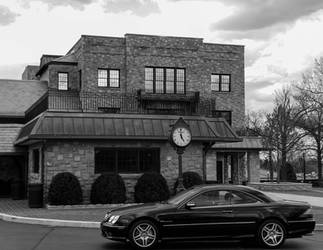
[{"x": 182, "y": 136}]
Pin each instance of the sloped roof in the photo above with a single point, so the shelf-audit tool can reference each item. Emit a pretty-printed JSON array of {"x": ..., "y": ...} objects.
[
  {"x": 51, "y": 125},
  {"x": 8, "y": 135},
  {"x": 17, "y": 96},
  {"x": 70, "y": 58},
  {"x": 67, "y": 59},
  {"x": 247, "y": 143}
]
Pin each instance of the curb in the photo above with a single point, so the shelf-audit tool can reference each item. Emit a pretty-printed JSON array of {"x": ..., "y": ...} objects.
[
  {"x": 71, "y": 223},
  {"x": 49, "y": 222}
]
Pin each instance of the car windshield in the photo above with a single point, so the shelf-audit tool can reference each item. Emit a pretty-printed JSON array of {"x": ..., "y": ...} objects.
[{"x": 178, "y": 198}]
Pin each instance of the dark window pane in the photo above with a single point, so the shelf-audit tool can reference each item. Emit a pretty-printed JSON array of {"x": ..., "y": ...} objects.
[
  {"x": 149, "y": 160},
  {"x": 222, "y": 114},
  {"x": 105, "y": 160},
  {"x": 127, "y": 160},
  {"x": 159, "y": 80},
  {"x": 212, "y": 198},
  {"x": 242, "y": 198},
  {"x": 36, "y": 161}
]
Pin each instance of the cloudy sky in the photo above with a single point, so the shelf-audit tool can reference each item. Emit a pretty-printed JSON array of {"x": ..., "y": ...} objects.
[{"x": 281, "y": 37}]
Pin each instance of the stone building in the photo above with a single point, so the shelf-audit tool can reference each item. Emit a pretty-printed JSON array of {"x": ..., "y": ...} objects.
[{"x": 109, "y": 102}]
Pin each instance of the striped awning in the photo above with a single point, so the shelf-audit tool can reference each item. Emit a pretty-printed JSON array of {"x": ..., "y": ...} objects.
[{"x": 52, "y": 125}]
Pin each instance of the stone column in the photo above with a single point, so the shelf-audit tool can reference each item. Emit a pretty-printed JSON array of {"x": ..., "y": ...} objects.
[
  {"x": 225, "y": 169},
  {"x": 235, "y": 168},
  {"x": 253, "y": 163}
]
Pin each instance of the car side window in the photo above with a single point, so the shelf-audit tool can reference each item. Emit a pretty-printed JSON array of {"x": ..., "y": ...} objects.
[
  {"x": 242, "y": 198},
  {"x": 212, "y": 198}
]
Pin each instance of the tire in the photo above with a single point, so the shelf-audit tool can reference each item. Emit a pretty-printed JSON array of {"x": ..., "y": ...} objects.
[
  {"x": 144, "y": 234},
  {"x": 271, "y": 234}
]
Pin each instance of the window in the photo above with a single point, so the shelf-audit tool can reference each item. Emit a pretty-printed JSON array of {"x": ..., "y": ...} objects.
[
  {"x": 221, "y": 82},
  {"x": 222, "y": 114},
  {"x": 35, "y": 156},
  {"x": 127, "y": 160},
  {"x": 212, "y": 198},
  {"x": 242, "y": 198},
  {"x": 165, "y": 80},
  {"x": 62, "y": 81},
  {"x": 109, "y": 78}
]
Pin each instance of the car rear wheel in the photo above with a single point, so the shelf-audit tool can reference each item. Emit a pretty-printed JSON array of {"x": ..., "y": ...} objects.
[
  {"x": 144, "y": 235},
  {"x": 271, "y": 234}
]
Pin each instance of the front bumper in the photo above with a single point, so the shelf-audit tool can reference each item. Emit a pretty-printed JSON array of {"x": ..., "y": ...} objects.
[
  {"x": 300, "y": 228},
  {"x": 113, "y": 232}
]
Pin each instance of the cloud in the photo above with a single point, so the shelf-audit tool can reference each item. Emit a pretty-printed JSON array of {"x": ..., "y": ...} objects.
[
  {"x": 77, "y": 4},
  {"x": 260, "y": 14},
  {"x": 6, "y": 15},
  {"x": 137, "y": 7}
]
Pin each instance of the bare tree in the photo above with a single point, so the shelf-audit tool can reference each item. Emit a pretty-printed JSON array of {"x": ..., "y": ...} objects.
[
  {"x": 286, "y": 137},
  {"x": 260, "y": 124},
  {"x": 309, "y": 99}
]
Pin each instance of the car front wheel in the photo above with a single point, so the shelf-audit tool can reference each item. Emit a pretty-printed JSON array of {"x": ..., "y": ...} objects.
[
  {"x": 143, "y": 234},
  {"x": 271, "y": 234}
]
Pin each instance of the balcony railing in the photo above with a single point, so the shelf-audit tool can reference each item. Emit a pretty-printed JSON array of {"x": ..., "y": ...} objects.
[{"x": 137, "y": 102}]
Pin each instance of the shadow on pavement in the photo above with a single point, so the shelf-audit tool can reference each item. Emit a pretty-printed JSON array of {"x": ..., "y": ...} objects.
[{"x": 289, "y": 244}]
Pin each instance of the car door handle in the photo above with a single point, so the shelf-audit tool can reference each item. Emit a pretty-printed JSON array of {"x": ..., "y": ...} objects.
[{"x": 227, "y": 211}]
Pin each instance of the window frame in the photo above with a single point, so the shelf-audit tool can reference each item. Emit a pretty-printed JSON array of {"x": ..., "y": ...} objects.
[
  {"x": 165, "y": 81},
  {"x": 220, "y": 82},
  {"x": 108, "y": 78},
  {"x": 138, "y": 151},
  {"x": 223, "y": 111},
  {"x": 58, "y": 81}
]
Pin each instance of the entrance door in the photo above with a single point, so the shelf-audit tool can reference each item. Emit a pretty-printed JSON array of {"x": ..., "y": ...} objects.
[{"x": 219, "y": 171}]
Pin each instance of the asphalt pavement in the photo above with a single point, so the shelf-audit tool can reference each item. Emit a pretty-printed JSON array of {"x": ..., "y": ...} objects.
[{"x": 14, "y": 236}]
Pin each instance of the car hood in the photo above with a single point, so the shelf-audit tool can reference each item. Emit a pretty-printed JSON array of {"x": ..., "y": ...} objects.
[{"x": 141, "y": 208}]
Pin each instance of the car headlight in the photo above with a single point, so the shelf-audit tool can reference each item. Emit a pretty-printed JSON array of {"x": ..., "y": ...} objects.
[
  {"x": 106, "y": 217},
  {"x": 113, "y": 219}
]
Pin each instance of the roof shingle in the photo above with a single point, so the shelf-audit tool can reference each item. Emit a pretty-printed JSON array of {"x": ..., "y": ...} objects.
[{"x": 17, "y": 96}]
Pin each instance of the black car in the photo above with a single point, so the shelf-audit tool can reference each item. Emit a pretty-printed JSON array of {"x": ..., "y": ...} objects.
[{"x": 211, "y": 212}]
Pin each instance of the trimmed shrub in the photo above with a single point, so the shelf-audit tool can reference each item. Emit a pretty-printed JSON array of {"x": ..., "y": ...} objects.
[
  {"x": 108, "y": 188},
  {"x": 151, "y": 187},
  {"x": 190, "y": 179},
  {"x": 65, "y": 189}
]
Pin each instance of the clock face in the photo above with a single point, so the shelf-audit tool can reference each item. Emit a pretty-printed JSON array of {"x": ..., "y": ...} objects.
[{"x": 181, "y": 137}]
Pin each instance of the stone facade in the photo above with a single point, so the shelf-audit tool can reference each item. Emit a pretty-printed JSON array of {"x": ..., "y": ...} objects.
[
  {"x": 78, "y": 158},
  {"x": 130, "y": 55}
]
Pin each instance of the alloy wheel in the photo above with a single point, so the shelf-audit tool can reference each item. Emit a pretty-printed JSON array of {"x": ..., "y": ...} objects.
[
  {"x": 144, "y": 235},
  {"x": 272, "y": 234}
]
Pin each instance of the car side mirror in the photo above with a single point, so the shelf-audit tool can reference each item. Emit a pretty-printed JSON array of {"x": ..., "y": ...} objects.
[{"x": 190, "y": 205}]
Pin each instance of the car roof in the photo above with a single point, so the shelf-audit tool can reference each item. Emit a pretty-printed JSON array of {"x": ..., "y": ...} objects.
[{"x": 224, "y": 186}]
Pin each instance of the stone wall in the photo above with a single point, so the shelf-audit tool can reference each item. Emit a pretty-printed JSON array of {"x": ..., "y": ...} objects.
[
  {"x": 78, "y": 158},
  {"x": 253, "y": 163}
]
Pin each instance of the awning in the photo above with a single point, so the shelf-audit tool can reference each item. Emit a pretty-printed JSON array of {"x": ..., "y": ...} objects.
[
  {"x": 247, "y": 144},
  {"x": 76, "y": 126}
]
